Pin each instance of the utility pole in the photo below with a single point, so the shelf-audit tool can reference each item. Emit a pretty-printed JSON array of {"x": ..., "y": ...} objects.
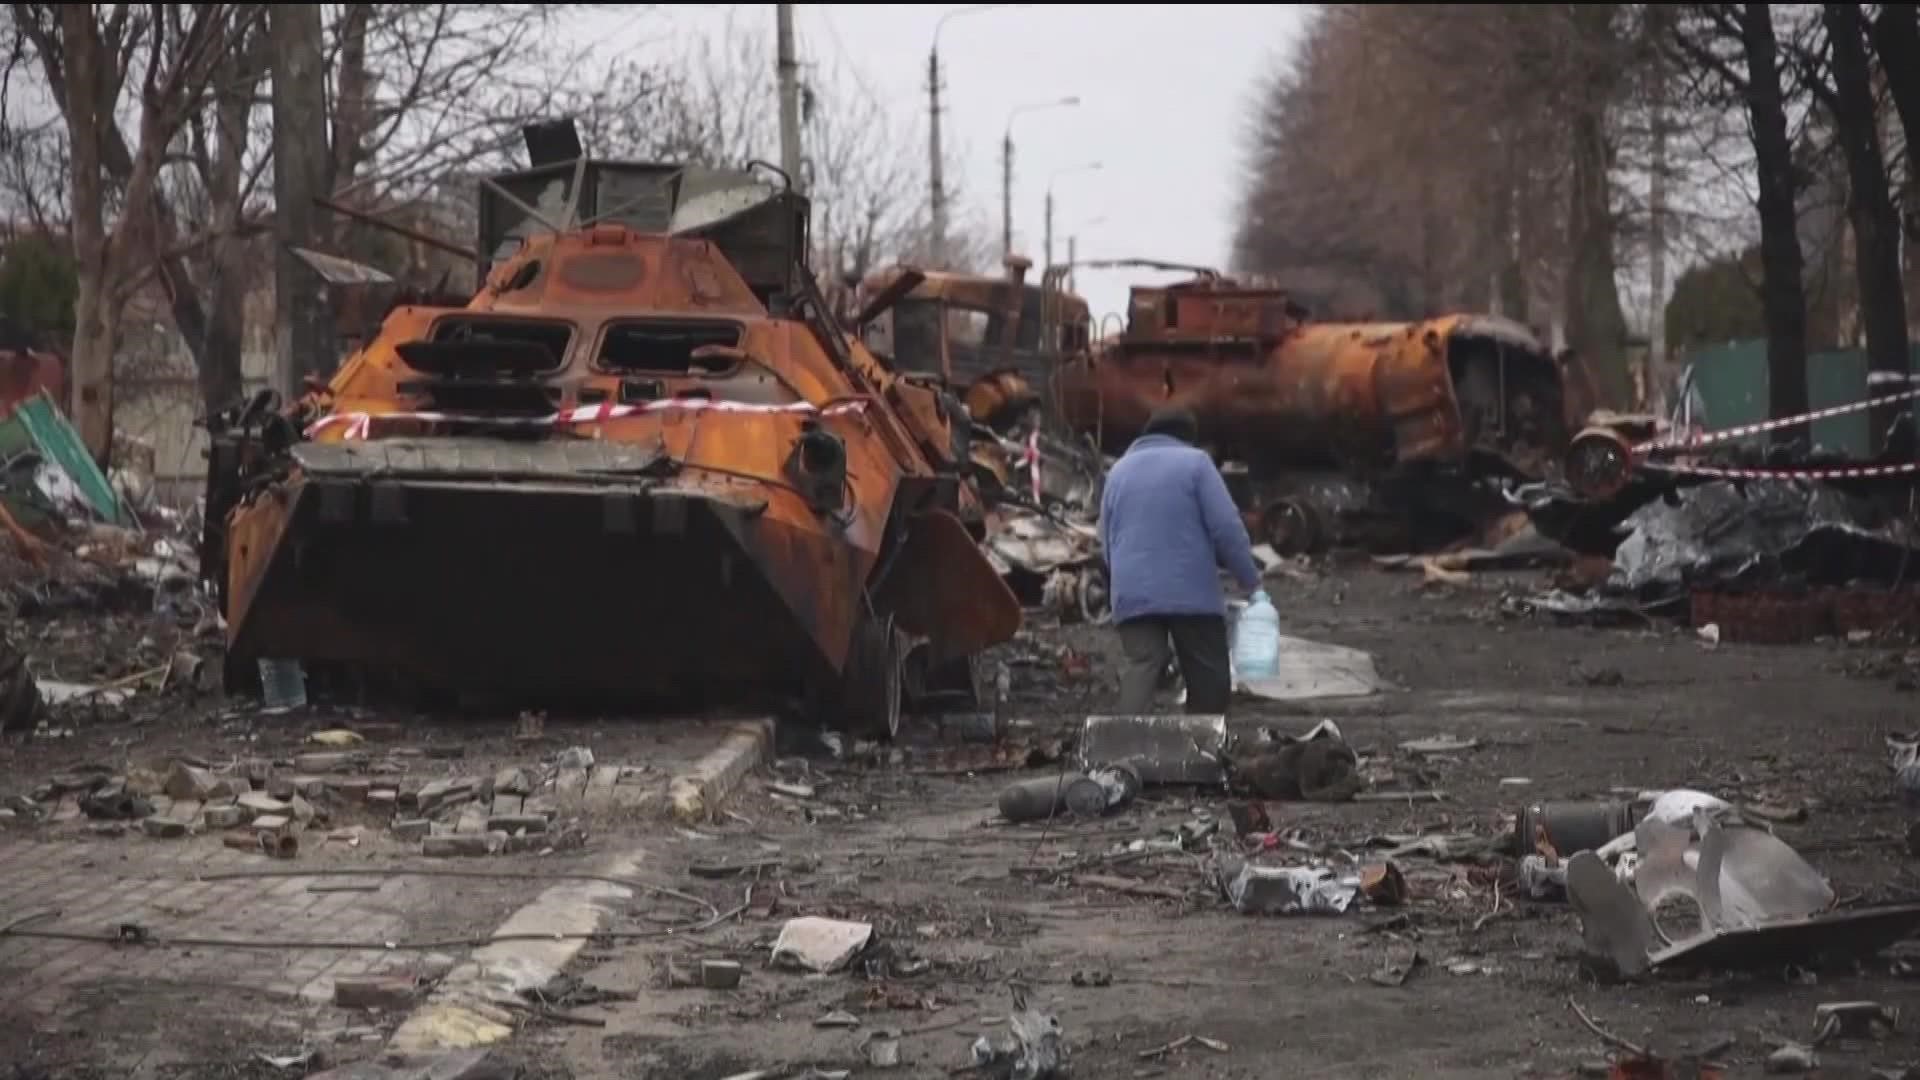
[
  {"x": 1006, "y": 193},
  {"x": 1073, "y": 258},
  {"x": 788, "y": 69},
  {"x": 937, "y": 242},
  {"x": 303, "y": 324},
  {"x": 1006, "y": 166},
  {"x": 1047, "y": 245}
]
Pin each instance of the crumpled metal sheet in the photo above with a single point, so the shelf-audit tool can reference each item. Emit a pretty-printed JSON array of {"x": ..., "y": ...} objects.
[
  {"x": 1724, "y": 531},
  {"x": 1038, "y": 544},
  {"x": 1290, "y": 890}
]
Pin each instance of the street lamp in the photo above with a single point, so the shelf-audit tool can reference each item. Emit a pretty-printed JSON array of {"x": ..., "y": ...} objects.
[
  {"x": 937, "y": 242},
  {"x": 1006, "y": 166},
  {"x": 1091, "y": 166}
]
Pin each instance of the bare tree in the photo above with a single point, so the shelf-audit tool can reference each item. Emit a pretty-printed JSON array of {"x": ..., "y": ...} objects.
[
  {"x": 1842, "y": 78},
  {"x": 1733, "y": 52},
  {"x": 713, "y": 106},
  {"x": 90, "y": 58}
]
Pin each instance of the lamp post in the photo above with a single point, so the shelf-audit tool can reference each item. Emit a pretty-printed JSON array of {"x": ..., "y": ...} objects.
[
  {"x": 1091, "y": 166},
  {"x": 936, "y": 172},
  {"x": 1006, "y": 166}
]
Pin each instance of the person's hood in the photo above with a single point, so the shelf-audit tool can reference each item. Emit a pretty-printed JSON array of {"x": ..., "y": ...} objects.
[{"x": 1153, "y": 442}]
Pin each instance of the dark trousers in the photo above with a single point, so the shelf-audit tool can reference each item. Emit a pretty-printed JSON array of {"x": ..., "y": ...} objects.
[{"x": 1200, "y": 641}]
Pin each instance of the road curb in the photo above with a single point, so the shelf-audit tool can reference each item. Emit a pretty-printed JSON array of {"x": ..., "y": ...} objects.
[
  {"x": 464, "y": 1010},
  {"x": 697, "y": 792}
]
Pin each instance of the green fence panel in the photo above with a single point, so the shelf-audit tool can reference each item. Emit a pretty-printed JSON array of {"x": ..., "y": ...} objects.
[{"x": 43, "y": 425}]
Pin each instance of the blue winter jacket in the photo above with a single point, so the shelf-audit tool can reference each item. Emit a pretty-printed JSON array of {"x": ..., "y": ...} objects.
[{"x": 1167, "y": 524}]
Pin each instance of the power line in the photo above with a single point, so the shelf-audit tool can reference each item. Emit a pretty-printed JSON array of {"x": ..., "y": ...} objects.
[{"x": 846, "y": 58}]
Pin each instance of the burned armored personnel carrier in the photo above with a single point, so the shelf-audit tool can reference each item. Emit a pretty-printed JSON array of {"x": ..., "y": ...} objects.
[
  {"x": 1376, "y": 435},
  {"x": 644, "y": 464}
]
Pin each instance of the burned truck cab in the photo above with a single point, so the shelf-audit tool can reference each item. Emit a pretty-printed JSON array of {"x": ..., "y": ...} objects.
[
  {"x": 996, "y": 342},
  {"x": 643, "y": 465}
]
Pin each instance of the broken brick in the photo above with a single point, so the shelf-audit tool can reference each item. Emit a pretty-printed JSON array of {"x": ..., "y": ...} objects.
[
  {"x": 512, "y": 782},
  {"x": 223, "y": 817},
  {"x": 187, "y": 782},
  {"x": 163, "y": 828},
  {"x": 374, "y": 992},
  {"x": 414, "y": 829},
  {"x": 463, "y": 844},
  {"x": 328, "y": 762},
  {"x": 513, "y": 823},
  {"x": 352, "y": 790},
  {"x": 260, "y": 803}
]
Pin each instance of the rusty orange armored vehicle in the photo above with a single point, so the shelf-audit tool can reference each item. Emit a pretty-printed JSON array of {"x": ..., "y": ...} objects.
[
  {"x": 642, "y": 464},
  {"x": 1377, "y": 434}
]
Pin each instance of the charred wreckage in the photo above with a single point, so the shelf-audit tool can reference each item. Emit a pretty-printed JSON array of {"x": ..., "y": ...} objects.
[
  {"x": 1390, "y": 436},
  {"x": 644, "y": 462}
]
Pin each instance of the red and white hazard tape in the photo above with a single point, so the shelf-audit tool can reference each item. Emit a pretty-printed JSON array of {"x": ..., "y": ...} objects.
[
  {"x": 359, "y": 425},
  {"x": 1844, "y": 472},
  {"x": 1712, "y": 438}
]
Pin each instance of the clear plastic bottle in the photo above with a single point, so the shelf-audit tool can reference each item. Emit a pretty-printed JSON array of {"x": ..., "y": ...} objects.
[
  {"x": 283, "y": 684},
  {"x": 1256, "y": 640}
]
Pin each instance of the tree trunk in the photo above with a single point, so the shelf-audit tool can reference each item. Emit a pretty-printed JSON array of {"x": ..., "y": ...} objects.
[
  {"x": 1876, "y": 226},
  {"x": 221, "y": 374},
  {"x": 1596, "y": 325},
  {"x": 96, "y": 326},
  {"x": 303, "y": 324},
  {"x": 352, "y": 108},
  {"x": 1782, "y": 290},
  {"x": 1896, "y": 37}
]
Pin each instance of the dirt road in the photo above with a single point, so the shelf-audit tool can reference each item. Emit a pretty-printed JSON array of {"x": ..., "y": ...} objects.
[{"x": 961, "y": 906}]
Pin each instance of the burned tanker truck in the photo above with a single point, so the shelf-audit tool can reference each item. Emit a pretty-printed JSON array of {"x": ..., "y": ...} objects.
[
  {"x": 1385, "y": 436},
  {"x": 644, "y": 464}
]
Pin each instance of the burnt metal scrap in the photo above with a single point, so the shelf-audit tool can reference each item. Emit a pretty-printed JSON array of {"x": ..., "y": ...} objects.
[
  {"x": 1421, "y": 417},
  {"x": 644, "y": 461},
  {"x": 997, "y": 343}
]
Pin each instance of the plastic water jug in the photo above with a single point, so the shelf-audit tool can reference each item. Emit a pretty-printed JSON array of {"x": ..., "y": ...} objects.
[{"x": 1256, "y": 640}]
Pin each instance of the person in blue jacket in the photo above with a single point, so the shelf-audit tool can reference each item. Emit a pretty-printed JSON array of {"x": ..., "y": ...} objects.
[{"x": 1167, "y": 524}]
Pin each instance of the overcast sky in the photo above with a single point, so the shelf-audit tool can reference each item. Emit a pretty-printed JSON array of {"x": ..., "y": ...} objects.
[{"x": 1165, "y": 91}]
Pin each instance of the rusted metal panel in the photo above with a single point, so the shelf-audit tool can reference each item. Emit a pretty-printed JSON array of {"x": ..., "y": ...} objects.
[
  {"x": 996, "y": 340},
  {"x": 616, "y": 472}
]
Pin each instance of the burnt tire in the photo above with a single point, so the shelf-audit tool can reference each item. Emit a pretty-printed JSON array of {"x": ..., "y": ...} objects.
[
  {"x": 19, "y": 695},
  {"x": 874, "y": 687},
  {"x": 1293, "y": 527}
]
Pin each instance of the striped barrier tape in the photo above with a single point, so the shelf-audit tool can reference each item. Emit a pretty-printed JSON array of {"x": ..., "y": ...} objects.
[
  {"x": 1713, "y": 438},
  {"x": 1843, "y": 472},
  {"x": 359, "y": 425}
]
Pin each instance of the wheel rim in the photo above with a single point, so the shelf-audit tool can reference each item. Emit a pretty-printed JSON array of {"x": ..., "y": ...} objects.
[
  {"x": 1095, "y": 600},
  {"x": 1290, "y": 528}
]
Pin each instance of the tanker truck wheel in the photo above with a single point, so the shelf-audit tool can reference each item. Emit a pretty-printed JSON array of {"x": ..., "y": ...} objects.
[
  {"x": 19, "y": 695},
  {"x": 1293, "y": 527},
  {"x": 873, "y": 685}
]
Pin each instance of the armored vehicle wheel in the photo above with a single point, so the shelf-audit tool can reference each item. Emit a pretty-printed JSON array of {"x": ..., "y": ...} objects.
[{"x": 872, "y": 690}]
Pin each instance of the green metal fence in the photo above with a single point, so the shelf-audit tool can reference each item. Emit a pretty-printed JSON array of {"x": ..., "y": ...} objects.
[{"x": 1732, "y": 385}]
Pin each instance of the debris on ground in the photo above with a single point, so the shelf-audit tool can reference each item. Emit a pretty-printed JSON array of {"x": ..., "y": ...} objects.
[
  {"x": 1034, "y": 1049},
  {"x": 820, "y": 945}
]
